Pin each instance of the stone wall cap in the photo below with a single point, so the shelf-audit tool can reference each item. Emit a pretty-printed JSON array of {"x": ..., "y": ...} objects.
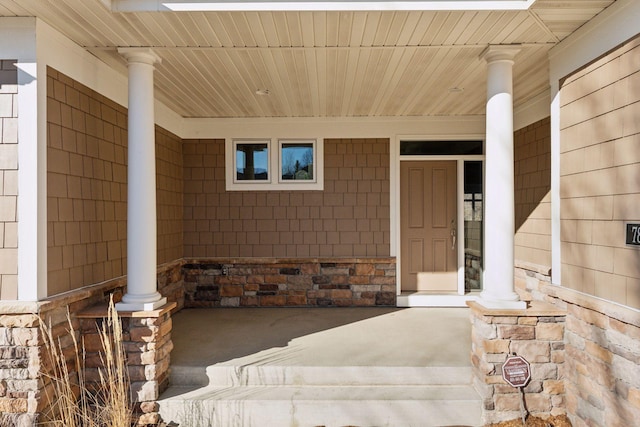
[
  {"x": 536, "y": 268},
  {"x": 258, "y": 260},
  {"x": 66, "y": 298},
  {"x": 611, "y": 309},
  {"x": 102, "y": 310},
  {"x": 19, "y": 307},
  {"x": 86, "y": 292},
  {"x": 535, "y": 309}
]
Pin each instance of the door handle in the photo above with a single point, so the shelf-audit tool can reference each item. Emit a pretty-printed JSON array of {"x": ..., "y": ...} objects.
[{"x": 453, "y": 235}]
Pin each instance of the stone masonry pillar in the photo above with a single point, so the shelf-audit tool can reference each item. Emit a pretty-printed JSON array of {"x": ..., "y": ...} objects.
[
  {"x": 537, "y": 334},
  {"x": 499, "y": 220},
  {"x": 147, "y": 343},
  {"x": 142, "y": 289}
]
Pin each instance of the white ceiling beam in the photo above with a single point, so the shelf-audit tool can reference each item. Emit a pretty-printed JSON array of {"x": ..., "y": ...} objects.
[{"x": 315, "y": 5}]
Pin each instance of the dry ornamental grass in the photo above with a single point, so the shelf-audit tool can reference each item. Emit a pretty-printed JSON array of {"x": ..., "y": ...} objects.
[{"x": 73, "y": 401}]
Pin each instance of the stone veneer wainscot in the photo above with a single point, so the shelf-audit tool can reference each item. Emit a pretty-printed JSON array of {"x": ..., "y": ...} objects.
[
  {"x": 269, "y": 282},
  {"x": 24, "y": 384},
  {"x": 602, "y": 349}
]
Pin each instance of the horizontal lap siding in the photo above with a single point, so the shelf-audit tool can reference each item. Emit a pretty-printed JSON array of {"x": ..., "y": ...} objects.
[{"x": 600, "y": 170}]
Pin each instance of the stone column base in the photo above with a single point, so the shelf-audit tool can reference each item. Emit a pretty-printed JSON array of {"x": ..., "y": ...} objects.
[
  {"x": 148, "y": 345},
  {"x": 535, "y": 333}
]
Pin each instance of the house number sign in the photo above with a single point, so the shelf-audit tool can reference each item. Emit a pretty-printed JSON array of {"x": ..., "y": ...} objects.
[{"x": 633, "y": 234}]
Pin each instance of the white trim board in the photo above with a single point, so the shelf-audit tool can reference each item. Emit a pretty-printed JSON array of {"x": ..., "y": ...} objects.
[
  {"x": 333, "y": 127},
  {"x": 425, "y": 299}
]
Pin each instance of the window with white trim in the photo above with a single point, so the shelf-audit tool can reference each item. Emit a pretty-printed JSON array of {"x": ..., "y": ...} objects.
[
  {"x": 251, "y": 161},
  {"x": 267, "y": 164}
]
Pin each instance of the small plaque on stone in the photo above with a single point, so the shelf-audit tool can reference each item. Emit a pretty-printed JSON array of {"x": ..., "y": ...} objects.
[{"x": 516, "y": 371}]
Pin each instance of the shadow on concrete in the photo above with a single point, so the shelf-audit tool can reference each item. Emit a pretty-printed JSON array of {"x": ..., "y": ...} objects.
[{"x": 322, "y": 337}]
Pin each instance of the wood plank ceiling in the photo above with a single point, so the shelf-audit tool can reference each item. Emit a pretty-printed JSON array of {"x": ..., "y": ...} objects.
[{"x": 321, "y": 64}]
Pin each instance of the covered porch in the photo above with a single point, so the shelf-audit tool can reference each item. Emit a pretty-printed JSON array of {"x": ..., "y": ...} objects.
[{"x": 129, "y": 127}]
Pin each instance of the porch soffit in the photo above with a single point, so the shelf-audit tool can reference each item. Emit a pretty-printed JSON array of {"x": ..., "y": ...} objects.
[{"x": 364, "y": 63}]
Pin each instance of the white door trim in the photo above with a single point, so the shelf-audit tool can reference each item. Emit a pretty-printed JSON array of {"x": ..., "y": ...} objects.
[{"x": 395, "y": 202}]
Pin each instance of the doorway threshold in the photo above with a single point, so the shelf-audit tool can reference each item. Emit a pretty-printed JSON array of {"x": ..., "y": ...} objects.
[{"x": 435, "y": 299}]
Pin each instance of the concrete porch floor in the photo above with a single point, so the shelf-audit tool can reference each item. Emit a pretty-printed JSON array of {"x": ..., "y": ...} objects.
[
  {"x": 429, "y": 337},
  {"x": 333, "y": 367}
]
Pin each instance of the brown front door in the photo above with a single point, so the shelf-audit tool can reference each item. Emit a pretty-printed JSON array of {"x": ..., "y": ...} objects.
[{"x": 428, "y": 212}]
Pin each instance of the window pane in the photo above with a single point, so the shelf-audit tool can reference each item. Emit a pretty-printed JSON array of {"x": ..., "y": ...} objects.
[
  {"x": 252, "y": 162},
  {"x": 439, "y": 148},
  {"x": 297, "y": 161},
  {"x": 473, "y": 237}
]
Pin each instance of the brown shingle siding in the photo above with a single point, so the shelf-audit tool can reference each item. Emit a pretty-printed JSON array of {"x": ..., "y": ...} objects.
[
  {"x": 532, "y": 186},
  {"x": 86, "y": 187},
  {"x": 339, "y": 221}
]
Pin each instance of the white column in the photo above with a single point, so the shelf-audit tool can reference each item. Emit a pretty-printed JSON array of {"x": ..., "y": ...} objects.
[
  {"x": 142, "y": 288},
  {"x": 25, "y": 154},
  {"x": 556, "y": 245},
  {"x": 499, "y": 219}
]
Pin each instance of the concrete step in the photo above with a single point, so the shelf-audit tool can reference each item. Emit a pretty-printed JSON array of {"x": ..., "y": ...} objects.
[
  {"x": 271, "y": 375},
  {"x": 276, "y": 406},
  {"x": 290, "y": 367}
]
